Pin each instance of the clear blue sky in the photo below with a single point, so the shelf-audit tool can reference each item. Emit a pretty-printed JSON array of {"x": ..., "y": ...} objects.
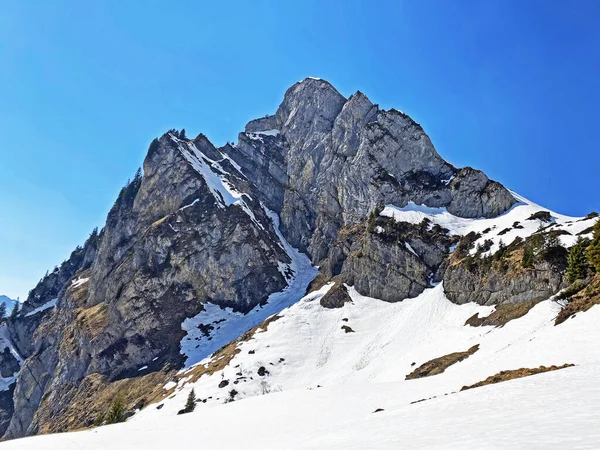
[{"x": 509, "y": 87}]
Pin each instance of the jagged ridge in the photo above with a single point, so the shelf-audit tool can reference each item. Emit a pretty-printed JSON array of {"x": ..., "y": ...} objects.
[{"x": 196, "y": 231}]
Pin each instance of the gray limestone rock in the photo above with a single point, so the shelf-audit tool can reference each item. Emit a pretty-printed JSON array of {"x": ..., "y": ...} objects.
[{"x": 178, "y": 238}]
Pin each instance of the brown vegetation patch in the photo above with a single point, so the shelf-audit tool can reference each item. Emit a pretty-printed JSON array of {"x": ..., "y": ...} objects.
[
  {"x": 94, "y": 396},
  {"x": 506, "y": 375},
  {"x": 581, "y": 301},
  {"x": 78, "y": 294},
  {"x": 92, "y": 320},
  {"x": 85, "y": 403},
  {"x": 347, "y": 232},
  {"x": 439, "y": 365},
  {"x": 503, "y": 314}
]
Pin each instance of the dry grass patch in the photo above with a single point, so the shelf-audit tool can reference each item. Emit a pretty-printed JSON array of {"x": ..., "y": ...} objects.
[
  {"x": 352, "y": 231},
  {"x": 439, "y": 365},
  {"x": 92, "y": 320},
  {"x": 78, "y": 294},
  {"x": 581, "y": 302},
  {"x": 94, "y": 396},
  {"x": 506, "y": 375},
  {"x": 91, "y": 399},
  {"x": 503, "y": 314}
]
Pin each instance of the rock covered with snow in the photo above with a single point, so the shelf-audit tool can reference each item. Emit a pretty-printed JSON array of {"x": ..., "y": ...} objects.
[
  {"x": 209, "y": 242},
  {"x": 190, "y": 231},
  {"x": 336, "y": 159}
]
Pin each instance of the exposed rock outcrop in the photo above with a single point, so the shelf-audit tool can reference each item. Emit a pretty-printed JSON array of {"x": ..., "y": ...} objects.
[
  {"x": 344, "y": 157},
  {"x": 502, "y": 278},
  {"x": 336, "y": 297},
  {"x": 196, "y": 227},
  {"x": 171, "y": 243}
]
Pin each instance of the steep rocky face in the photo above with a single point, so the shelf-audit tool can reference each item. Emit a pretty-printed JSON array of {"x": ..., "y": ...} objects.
[
  {"x": 6, "y": 408},
  {"x": 389, "y": 260},
  {"x": 343, "y": 157},
  {"x": 504, "y": 277},
  {"x": 190, "y": 231},
  {"x": 196, "y": 229}
]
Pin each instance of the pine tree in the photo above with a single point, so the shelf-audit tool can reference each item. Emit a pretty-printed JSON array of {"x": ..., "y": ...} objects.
[
  {"x": 93, "y": 238},
  {"x": 15, "y": 311},
  {"x": 528, "y": 257},
  {"x": 593, "y": 250},
  {"x": 116, "y": 413},
  {"x": 552, "y": 241},
  {"x": 182, "y": 134},
  {"x": 501, "y": 251},
  {"x": 577, "y": 265},
  {"x": 138, "y": 176},
  {"x": 154, "y": 146},
  {"x": 2, "y": 310},
  {"x": 190, "y": 405}
]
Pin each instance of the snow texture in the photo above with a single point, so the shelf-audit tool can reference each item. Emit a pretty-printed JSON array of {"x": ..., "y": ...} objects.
[
  {"x": 220, "y": 326},
  {"x": 5, "y": 341},
  {"x": 331, "y": 383},
  {"x": 44, "y": 307},
  {"x": 506, "y": 227}
]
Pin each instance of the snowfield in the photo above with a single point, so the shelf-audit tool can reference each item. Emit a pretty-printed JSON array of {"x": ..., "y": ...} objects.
[
  {"x": 497, "y": 229},
  {"x": 535, "y": 412},
  {"x": 315, "y": 377},
  {"x": 363, "y": 371}
]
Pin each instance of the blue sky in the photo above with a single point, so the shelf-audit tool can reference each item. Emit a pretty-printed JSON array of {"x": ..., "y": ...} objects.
[{"x": 508, "y": 87}]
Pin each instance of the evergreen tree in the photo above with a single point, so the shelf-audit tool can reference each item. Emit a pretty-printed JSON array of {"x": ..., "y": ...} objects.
[
  {"x": 93, "y": 237},
  {"x": 593, "y": 250},
  {"x": 182, "y": 134},
  {"x": 15, "y": 311},
  {"x": 2, "y": 310},
  {"x": 154, "y": 146},
  {"x": 190, "y": 405},
  {"x": 137, "y": 179},
  {"x": 577, "y": 265},
  {"x": 552, "y": 241},
  {"x": 528, "y": 257},
  {"x": 501, "y": 251},
  {"x": 116, "y": 412},
  {"x": 373, "y": 218}
]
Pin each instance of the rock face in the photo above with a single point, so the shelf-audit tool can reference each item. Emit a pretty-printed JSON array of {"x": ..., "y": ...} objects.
[
  {"x": 496, "y": 287},
  {"x": 503, "y": 279},
  {"x": 336, "y": 297},
  {"x": 6, "y": 407},
  {"x": 9, "y": 365},
  {"x": 346, "y": 156},
  {"x": 196, "y": 228},
  {"x": 175, "y": 239}
]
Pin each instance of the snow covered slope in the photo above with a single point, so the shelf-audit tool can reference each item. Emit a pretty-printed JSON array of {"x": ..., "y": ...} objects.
[
  {"x": 307, "y": 347},
  {"x": 535, "y": 412},
  {"x": 333, "y": 381},
  {"x": 215, "y": 327},
  {"x": 522, "y": 220}
]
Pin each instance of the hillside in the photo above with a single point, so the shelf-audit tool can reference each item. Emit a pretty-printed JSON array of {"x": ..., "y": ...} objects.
[
  {"x": 331, "y": 248},
  {"x": 326, "y": 392}
]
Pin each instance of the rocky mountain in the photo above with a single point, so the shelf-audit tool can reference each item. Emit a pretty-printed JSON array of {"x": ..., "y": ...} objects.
[{"x": 207, "y": 243}]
